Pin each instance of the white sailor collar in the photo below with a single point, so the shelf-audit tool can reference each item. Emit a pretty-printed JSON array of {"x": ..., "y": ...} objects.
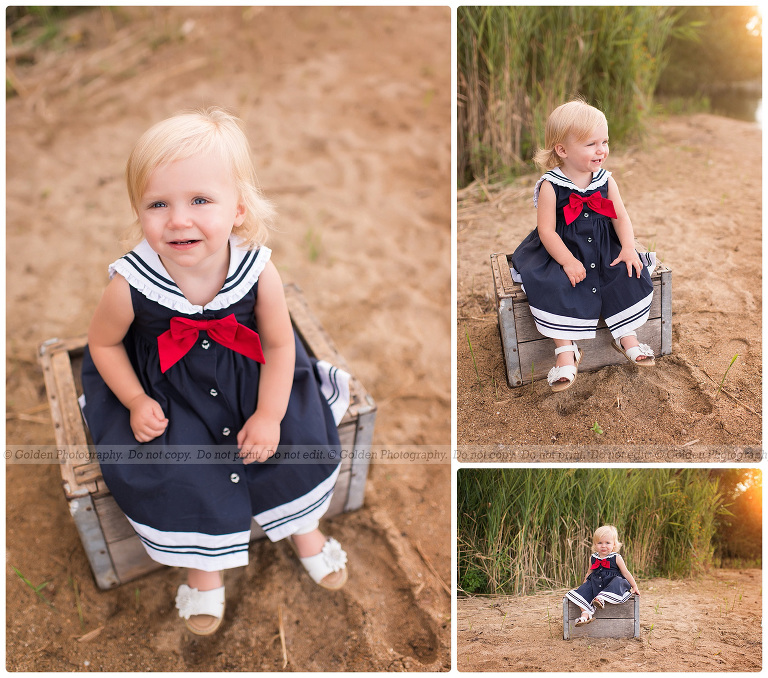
[
  {"x": 556, "y": 176},
  {"x": 612, "y": 554},
  {"x": 144, "y": 271}
]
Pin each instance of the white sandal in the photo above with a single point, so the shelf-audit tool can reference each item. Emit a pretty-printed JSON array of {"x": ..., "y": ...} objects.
[
  {"x": 632, "y": 354},
  {"x": 581, "y": 621},
  {"x": 202, "y": 611},
  {"x": 568, "y": 372},
  {"x": 329, "y": 567}
]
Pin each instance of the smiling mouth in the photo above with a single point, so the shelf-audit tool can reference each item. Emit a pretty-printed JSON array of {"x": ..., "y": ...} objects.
[{"x": 182, "y": 245}]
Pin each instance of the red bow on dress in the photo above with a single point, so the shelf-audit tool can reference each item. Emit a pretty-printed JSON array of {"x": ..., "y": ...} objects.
[
  {"x": 605, "y": 563},
  {"x": 595, "y": 202},
  {"x": 175, "y": 343}
]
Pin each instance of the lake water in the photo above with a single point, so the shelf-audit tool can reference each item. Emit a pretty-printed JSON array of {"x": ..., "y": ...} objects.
[{"x": 739, "y": 105}]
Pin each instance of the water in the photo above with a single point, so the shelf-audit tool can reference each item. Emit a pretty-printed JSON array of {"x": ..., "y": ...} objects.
[{"x": 738, "y": 104}]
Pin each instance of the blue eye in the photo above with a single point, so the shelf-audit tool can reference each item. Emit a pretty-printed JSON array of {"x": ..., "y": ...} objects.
[
  {"x": 200, "y": 201},
  {"x": 159, "y": 203}
]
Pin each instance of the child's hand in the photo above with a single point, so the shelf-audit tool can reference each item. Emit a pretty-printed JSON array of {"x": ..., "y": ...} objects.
[
  {"x": 575, "y": 271},
  {"x": 629, "y": 256},
  {"x": 147, "y": 418},
  {"x": 258, "y": 439},
  {"x": 635, "y": 590}
]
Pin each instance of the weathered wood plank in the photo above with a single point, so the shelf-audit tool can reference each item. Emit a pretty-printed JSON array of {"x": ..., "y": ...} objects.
[
  {"x": 536, "y": 358},
  {"x": 613, "y": 621},
  {"x": 92, "y": 537},
  {"x": 69, "y": 430},
  {"x": 605, "y": 628},
  {"x": 114, "y": 524},
  {"x": 666, "y": 311},
  {"x": 509, "y": 342},
  {"x": 131, "y": 559}
]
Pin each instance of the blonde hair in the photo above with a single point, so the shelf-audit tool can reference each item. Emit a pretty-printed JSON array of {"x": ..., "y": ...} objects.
[
  {"x": 607, "y": 531},
  {"x": 203, "y": 131},
  {"x": 575, "y": 118}
]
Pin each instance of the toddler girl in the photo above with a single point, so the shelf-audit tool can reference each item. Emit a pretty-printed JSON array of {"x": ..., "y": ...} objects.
[
  {"x": 608, "y": 580},
  {"x": 580, "y": 262},
  {"x": 192, "y": 345}
]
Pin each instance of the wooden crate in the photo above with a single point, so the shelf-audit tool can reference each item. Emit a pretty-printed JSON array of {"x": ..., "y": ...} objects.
[
  {"x": 114, "y": 550},
  {"x": 529, "y": 355},
  {"x": 613, "y": 621}
]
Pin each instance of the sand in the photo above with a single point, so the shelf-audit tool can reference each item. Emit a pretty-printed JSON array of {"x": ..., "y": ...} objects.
[
  {"x": 703, "y": 217},
  {"x": 711, "y": 623},
  {"x": 348, "y": 112}
]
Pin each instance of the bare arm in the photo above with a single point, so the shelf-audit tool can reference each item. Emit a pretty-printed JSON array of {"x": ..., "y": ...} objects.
[
  {"x": 623, "y": 227},
  {"x": 626, "y": 574},
  {"x": 110, "y": 323},
  {"x": 553, "y": 243},
  {"x": 259, "y": 437}
]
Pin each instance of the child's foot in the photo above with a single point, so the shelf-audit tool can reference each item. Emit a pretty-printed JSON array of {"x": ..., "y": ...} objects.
[
  {"x": 567, "y": 359},
  {"x": 634, "y": 351},
  {"x": 599, "y": 602},
  {"x": 323, "y": 559},
  {"x": 201, "y": 601},
  {"x": 586, "y": 618},
  {"x": 631, "y": 341}
]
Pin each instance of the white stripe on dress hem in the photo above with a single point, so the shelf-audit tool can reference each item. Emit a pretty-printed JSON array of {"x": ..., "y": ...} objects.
[
  {"x": 630, "y": 318},
  {"x": 563, "y": 327},
  {"x": 614, "y": 598},
  {"x": 578, "y": 600},
  {"x": 198, "y": 550},
  {"x": 334, "y": 385},
  {"x": 282, "y": 521}
]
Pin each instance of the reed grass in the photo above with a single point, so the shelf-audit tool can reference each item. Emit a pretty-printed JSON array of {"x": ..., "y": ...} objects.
[
  {"x": 521, "y": 530},
  {"x": 516, "y": 64}
]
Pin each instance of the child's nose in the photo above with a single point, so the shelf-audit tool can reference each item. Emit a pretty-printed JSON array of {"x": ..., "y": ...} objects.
[{"x": 178, "y": 217}]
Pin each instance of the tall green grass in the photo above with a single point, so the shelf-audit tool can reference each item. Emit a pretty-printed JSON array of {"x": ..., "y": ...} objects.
[
  {"x": 520, "y": 530},
  {"x": 516, "y": 64}
]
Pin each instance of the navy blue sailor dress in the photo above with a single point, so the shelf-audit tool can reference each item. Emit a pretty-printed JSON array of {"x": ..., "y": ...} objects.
[
  {"x": 605, "y": 580},
  {"x": 562, "y": 311},
  {"x": 194, "y": 514}
]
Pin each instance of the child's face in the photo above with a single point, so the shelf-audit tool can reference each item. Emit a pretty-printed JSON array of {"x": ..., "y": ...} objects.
[
  {"x": 585, "y": 155},
  {"x": 188, "y": 210},
  {"x": 604, "y": 546}
]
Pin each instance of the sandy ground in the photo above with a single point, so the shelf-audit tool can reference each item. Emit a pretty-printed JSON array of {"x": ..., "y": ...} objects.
[
  {"x": 348, "y": 112},
  {"x": 708, "y": 624},
  {"x": 703, "y": 218}
]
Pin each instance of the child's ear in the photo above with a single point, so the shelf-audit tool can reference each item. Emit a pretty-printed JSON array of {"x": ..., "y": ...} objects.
[
  {"x": 560, "y": 150},
  {"x": 240, "y": 214}
]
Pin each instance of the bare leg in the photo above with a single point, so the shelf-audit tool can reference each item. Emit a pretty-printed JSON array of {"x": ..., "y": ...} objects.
[
  {"x": 309, "y": 544},
  {"x": 202, "y": 580}
]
